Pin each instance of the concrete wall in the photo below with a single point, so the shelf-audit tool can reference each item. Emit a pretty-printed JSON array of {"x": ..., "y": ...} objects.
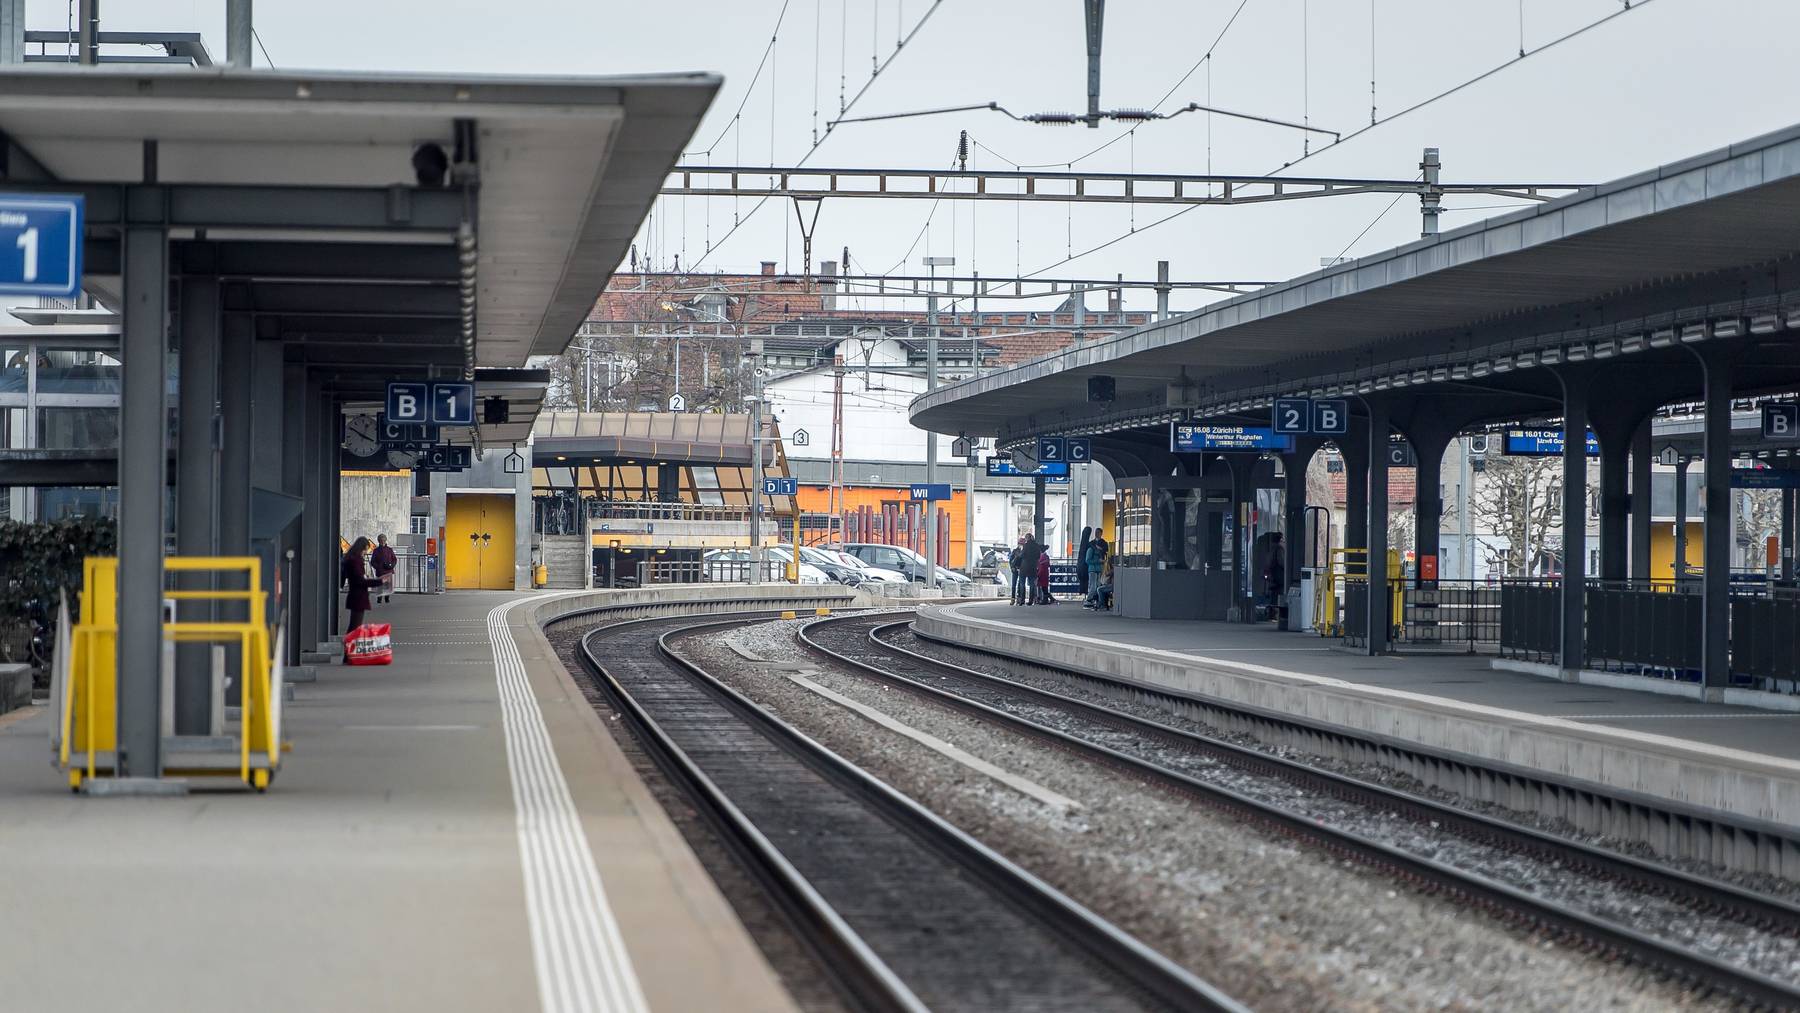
[{"x": 374, "y": 503}]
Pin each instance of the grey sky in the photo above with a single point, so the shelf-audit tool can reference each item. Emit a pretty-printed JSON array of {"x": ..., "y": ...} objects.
[{"x": 1669, "y": 79}]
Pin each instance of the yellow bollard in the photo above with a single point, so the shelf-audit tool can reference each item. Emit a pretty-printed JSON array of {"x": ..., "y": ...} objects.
[
  {"x": 821, "y": 612},
  {"x": 788, "y": 614}
]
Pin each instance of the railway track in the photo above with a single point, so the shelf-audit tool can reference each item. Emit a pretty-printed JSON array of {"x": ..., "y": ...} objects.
[
  {"x": 901, "y": 909},
  {"x": 1086, "y": 728}
]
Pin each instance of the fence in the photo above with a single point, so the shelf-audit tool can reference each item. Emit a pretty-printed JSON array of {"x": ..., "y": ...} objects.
[
  {"x": 417, "y": 573},
  {"x": 696, "y": 571},
  {"x": 1450, "y": 613}
]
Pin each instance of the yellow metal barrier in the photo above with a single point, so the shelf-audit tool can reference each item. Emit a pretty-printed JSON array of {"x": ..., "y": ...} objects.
[
  {"x": 1347, "y": 565},
  {"x": 88, "y": 723}
]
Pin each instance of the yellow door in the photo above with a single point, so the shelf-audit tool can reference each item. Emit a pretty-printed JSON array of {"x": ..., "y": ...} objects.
[{"x": 478, "y": 542}]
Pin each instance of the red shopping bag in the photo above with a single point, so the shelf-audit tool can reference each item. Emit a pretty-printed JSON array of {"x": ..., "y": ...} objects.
[{"x": 369, "y": 644}]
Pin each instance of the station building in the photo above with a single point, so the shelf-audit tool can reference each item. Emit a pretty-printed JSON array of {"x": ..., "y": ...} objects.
[{"x": 1651, "y": 312}]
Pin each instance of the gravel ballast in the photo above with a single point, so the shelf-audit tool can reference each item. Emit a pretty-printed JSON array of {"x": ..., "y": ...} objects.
[
  {"x": 1276, "y": 924},
  {"x": 1723, "y": 938}
]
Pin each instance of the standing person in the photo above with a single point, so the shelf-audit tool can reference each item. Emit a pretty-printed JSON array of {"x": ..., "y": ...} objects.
[
  {"x": 1093, "y": 563},
  {"x": 1028, "y": 562},
  {"x": 1015, "y": 561},
  {"x": 385, "y": 563},
  {"x": 1275, "y": 574},
  {"x": 1081, "y": 551},
  {"x": 1043, "y": 579},
  {"x": 354, "y": 575}
]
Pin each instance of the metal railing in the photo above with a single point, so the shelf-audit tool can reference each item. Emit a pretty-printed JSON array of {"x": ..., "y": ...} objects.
[
  {"x": 1451, "y": 613},
  {"x": 652, "y": 511},
  {"x": 417, "y": 573}
]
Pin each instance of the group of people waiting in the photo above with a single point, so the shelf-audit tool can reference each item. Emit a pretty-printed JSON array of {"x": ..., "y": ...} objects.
[{"x": 1030, "y": 564}]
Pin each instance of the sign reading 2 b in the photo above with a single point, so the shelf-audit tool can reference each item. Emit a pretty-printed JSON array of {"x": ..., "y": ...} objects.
[{"x": 437, "y": 403}]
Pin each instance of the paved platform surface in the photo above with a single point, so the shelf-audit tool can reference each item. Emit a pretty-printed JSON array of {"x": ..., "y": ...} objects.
[
  {"x": 1448, "y": 701},
  {"x": 454, "y": 832}
]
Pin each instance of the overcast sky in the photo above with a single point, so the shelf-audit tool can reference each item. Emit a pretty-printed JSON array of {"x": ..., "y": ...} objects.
[{"x": 1668, "y": 79}]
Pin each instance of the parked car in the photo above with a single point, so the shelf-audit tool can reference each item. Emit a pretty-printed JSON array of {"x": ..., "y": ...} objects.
[
  {"x": 905, "y": 560},
  {"x": 833, "y": 567},
  {"x": 870, "y": 572},
  {"x": 735, "y": 564}
]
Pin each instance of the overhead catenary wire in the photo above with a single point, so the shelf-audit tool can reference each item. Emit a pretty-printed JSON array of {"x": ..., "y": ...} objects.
[
  {"x": 768, "y": 50},
  {"x": 880, "y": 67},
  {"x": 1446, "y": 93}
]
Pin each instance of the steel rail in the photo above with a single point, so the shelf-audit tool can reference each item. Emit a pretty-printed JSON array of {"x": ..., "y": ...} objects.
[
  {"x": 1503, "y": 900},
  {"x": 1124, "y": 955}
]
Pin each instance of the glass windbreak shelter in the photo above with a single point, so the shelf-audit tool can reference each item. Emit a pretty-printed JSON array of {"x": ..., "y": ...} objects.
[
  {"x": 1177, "y": 548},
  {"x": 58, "y": 392}
]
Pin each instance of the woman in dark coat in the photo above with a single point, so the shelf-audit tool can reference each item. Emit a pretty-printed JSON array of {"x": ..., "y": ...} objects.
[{"x": 354, "y": 575}]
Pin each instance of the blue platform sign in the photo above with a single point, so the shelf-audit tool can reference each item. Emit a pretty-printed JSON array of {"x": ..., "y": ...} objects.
[
  {"x": 1052, "y": 449},
  {"x": 452, "y": 403},
  {"x": 1293, "y": 415},
  {"x": 1764, "y": 478},
  {"x": 780, "y": 486},
  {"x": 930, "y": 491},
  {"x": 40, "y": 244},
  {"x": 1331, "y": 417},
  {"x": 998, "y": 468},
  {"x": 1543, "y": 443},
  {"x": 1188, "y": 438},
  {"x": 1080, "y": 450},
  {"x": 408, "y": 403}
]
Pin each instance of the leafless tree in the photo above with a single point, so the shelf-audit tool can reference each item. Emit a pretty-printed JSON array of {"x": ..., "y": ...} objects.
[{"x": 1520, "y": 499}]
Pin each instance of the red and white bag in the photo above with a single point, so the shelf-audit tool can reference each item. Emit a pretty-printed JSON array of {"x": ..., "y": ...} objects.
[{"x": 369, "y": 644}]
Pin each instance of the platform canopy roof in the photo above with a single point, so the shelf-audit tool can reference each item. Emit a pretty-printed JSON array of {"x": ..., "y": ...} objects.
[
  {"x": 1705, "y": 231},
  {"x": 299, "y": 190}
]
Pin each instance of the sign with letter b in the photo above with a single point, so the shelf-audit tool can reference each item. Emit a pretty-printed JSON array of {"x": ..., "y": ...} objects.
[
  {"x": 408, "y": 402},
  {"x": 1781, "y": 421}
]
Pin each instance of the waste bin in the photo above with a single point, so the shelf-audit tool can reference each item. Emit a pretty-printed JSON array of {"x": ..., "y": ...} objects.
[{"x": 540, "y": 575}]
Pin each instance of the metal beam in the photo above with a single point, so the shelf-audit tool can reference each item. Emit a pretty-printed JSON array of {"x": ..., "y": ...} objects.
[
  {"x": 205, "y": 205},
  {"x": 372, "y": 301},
  {"x": 310, "y": 261},
  {"x": 907, "y": 286},
  {"x": 1074, "y": 187},
  {"x": 143, "y": 428}
]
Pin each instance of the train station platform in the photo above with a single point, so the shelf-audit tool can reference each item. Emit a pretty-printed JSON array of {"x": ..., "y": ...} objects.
[
  {"x": 1737, "y": 761},
  {"x": 457, "y": 831}
]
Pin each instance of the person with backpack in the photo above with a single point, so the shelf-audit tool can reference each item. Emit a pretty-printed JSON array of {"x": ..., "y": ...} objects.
[
  {"x": 1015, "y": 562},
  {"x": 385, "y": 562},
  {"x": 1093, "y": 563},
  {"x": 1033, "y": 551}
]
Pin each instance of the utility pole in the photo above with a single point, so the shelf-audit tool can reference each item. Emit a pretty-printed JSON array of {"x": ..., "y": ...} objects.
[
  {"x": 931, "y": 440},
  {"x": 969, "y": 477},
  {"x": 1462, "y": 514},
  {"x": 88, "y": 29},
  {"x": 756, "y": 462},
  {"x": 1095, "y": 15},
  {"x": 837, "y": 506},
  {"x": 1162, "y": 290},
  {"x": 1431, "y": 199},
  {"x": 238, "y": 38}
]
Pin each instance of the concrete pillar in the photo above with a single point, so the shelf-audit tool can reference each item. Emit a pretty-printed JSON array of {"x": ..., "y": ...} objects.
[
  {"x": 12, "y": 31},
  {"x": 311, "y": 624},
  {"x": 1716, "y": 582},
  {"x": 1681, "y": 519},
  {"x": 1376, "y": 527},
  {"x": 1355, "y": 449},
  {"x": 269, "y": 436},
  {"x": 1428, "y": 494},
  {"x": 334, "y": 498},
  {"x": 1787, "y": 534},
  {"x": 1641, "y": 460},
  {"x": 1293, "y": 505},
  {"x": 196, "y": 494},
  {"x": 1615, "y": 510},
  {"x": 237, "y": 373},
  {"x": 294, "y": 539},
  {"x": 1037, "y": 507},
  {"x": 1574, "y": 523},
  {"x": 143, "y": 479}
]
